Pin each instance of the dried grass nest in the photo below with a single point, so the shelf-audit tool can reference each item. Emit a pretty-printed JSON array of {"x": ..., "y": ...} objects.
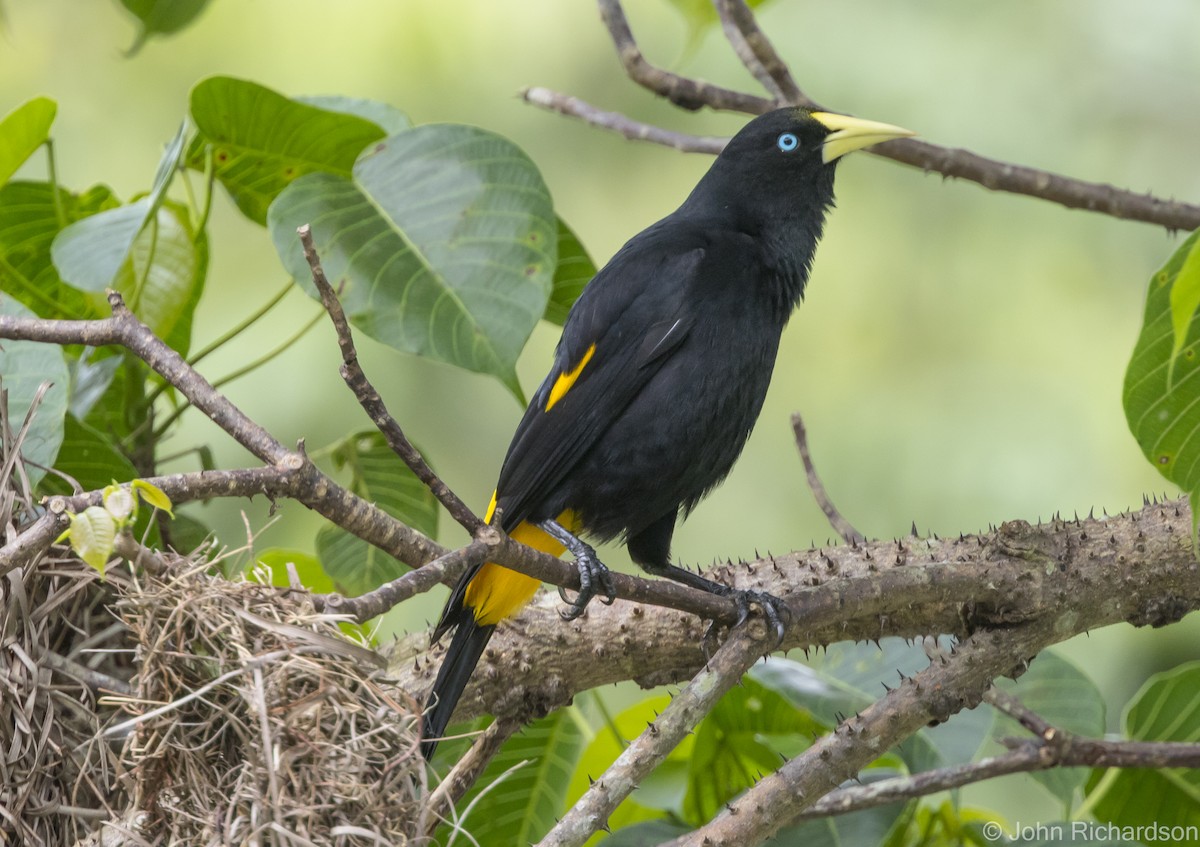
[{"x": 183, "y": 708}]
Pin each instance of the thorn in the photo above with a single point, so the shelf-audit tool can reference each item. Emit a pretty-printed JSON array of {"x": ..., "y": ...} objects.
[{"x": 914, "y": 530}]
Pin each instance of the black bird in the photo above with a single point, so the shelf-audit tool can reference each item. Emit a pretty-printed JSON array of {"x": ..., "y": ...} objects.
[{"x": 658, "y": 379}]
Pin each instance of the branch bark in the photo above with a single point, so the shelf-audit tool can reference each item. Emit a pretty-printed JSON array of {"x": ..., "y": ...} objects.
[
  {"x": 1067, "y": 576},
  {"x": 761, "y": 59}
]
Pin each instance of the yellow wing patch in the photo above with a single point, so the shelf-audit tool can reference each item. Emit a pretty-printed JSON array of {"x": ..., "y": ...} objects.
[{"x": 564, "y": 382}]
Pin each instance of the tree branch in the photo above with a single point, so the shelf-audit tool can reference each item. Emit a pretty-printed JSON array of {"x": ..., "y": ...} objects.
[
  {"x": 758, "y": 54},
  {"x": 370, "y": 400},
  {"x": 953, "y": 163},
  {"x": 590, "y": 813},
  {"x": 1028, "y": 756},
  {"x": 1015, "y": 575},
  {"x": 836, "y": 520}
]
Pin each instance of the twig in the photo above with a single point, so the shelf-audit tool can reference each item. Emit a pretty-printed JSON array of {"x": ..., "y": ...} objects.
[
  {"x": 444, "y": 569},
  {"x": 467, "y": 770},
  {"x": 370, "y": 400},
  {"x": 839, "y": 523},
  {"x": 935, "y": 693},
  {"x": 1027, "y": 757},
  {"x": 694, "y": 94},
  {"x": 590, "y": 813},
  {"x": 633, "y": 130},
  {"x": 686, "y": 93},
  {"x": 758, "y": 54}
]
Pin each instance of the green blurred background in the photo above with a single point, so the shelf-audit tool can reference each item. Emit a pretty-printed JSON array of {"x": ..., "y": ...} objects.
[{"x": 958, "y": 359}]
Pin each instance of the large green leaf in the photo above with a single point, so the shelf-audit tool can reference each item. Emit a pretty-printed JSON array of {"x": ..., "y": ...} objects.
[
  {"x": 262, "y": 141},
  {"x": 163, "y": 276},
  {"x": 377, "y": 475},
  {"x": 572, "y": 272},
  {"x": 385, "y": 116},
  {"x": 1060, "y": 692},
  {"x": 28, "y": 225},
  {"x": 91, "y": 252},
  {"x": 739, "y": 742},
  {"x": 23, "y": 131},
  {"x": 24, "y": 366},
  {"x": 90, "y": 458},
  {"x": 1162, "y": 382},
  {"x": 846, "y": 678},
  {"x": 161, "y": 17},
  {"x": 662, "y": 791},
  {"x": 523, "y": 808},
  {"x": 1165, "y": 709},
  {"x": 444, "y": 241}
]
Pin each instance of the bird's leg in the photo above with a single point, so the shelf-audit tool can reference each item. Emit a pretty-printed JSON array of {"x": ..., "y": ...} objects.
[
  {"x": 593, "y": 574},
  {"x": 774, "y": 610}
]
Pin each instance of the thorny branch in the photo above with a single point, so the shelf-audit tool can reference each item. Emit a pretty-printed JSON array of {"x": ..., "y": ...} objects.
[{"x": 762, "y": 60}]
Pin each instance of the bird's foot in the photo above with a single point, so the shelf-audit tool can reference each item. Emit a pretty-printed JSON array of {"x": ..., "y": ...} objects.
[
  {"x": 777, "y": 613},
  {"x": 594, "y": 576}
]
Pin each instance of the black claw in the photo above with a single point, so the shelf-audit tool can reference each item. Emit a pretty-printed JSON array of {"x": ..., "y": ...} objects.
[
  {"x": 593, "y": 575},
  {"x": 774, "y": 610}
]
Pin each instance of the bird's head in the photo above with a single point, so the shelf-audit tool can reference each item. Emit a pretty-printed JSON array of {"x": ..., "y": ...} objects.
[{"x": 781, "y": 164}]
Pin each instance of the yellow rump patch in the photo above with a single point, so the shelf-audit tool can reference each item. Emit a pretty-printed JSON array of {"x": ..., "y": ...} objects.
[
  {"x": 496, "y": 592},
  {"x": 564, "y": 382}
]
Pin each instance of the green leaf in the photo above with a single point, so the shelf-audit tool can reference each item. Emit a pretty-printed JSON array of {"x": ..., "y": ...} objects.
[
  {"x": 385, "y": 116},
  {"x": 377, "y": 475},
  {"x": 90, "y": 252},
  {"x": 28, "y": 225},
  {"x": 663, "y": 791},
  {"x": 262, "y": 141},
  {"x": 1162, "y": 382},
  {"x": 846, "y": 678},
  {"x": 700, "y": 15},
  {"x": 1062, "y": 693},
  {"x": 161, "y": 17},
  {"x": 1185, "y": 299},
  {"x": 445, "y": 241},
  {"x": 307, "y": 566},
  {"x": 93, "y": 533},
  {"x": 163, "y": 276},
  {"x": 152, "y": 494},
  {"x": 739, "y": 742},
  {"x": 523, "y": 808},
  {"x": 24, "y": 130},
  {"x": 91, "y": 375},
  {"x": 88, "y": 457},
  {"x": 572, "y": 273},
  {"x": 24, "y": 366},
  {"x": 1165, "y": 709}
]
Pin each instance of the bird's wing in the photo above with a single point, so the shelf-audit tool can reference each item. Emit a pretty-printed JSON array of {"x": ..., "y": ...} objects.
[{"x": 628, "y": 321}]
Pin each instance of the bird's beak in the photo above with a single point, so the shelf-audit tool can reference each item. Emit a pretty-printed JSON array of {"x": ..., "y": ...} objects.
[{"x": 847, "y": 134}]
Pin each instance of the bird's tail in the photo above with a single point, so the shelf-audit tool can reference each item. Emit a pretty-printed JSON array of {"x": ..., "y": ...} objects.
[
  {"x": 483, "y": 597},
  {"x": 466, "y": 647}
]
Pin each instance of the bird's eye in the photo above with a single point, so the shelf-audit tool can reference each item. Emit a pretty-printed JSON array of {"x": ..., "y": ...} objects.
[{"x": 787, "y": 142}]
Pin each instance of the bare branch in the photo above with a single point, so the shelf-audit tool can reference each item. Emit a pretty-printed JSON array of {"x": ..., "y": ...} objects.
[
  {"x": 643, "y": 755},
  {"x": 935, "y": 693},
  {"x": 758, "y": 54},
  {"x": 954, "y": 163},
  {"x": 839, "y": 523},
  {"x": 690, "y": 94},
  {"x": 1028, "y": 756},
  {"x": 370, "y": 400},
  {"x": 565, "y": 104}
]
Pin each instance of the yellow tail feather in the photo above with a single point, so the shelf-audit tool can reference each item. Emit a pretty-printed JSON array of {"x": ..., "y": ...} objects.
[{"x": 497, "y": 592}]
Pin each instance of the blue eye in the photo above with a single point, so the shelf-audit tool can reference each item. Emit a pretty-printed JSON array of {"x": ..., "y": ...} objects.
[{"x": 787, "y": 142}]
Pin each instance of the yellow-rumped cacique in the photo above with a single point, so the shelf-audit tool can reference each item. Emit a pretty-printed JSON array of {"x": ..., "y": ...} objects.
[{"x": 658, "y": 379}]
